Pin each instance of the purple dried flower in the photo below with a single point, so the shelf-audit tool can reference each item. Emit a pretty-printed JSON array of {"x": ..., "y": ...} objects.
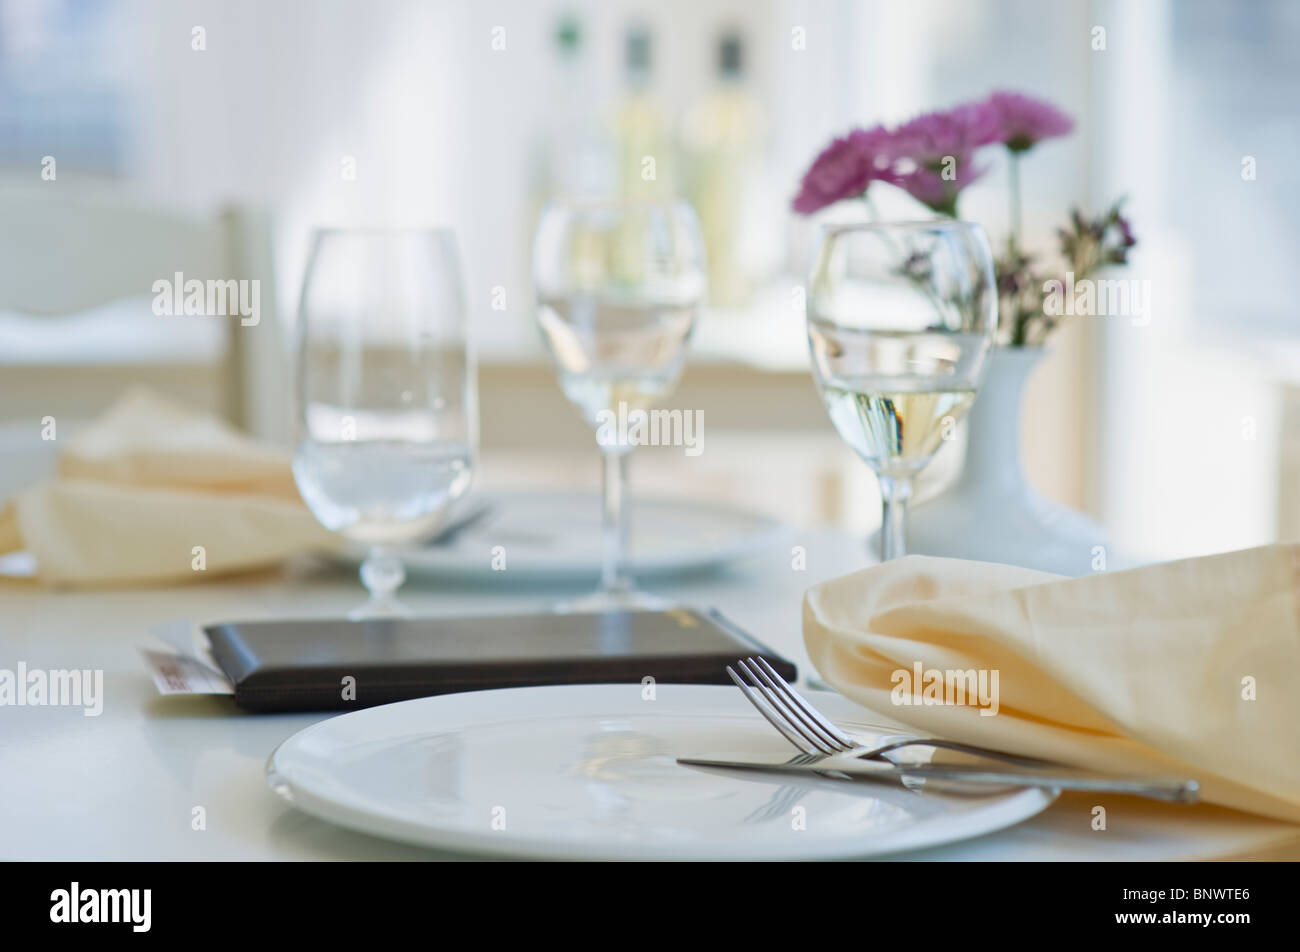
[
  {"x": 844, "y": 169},
  {"x": 1024, "y": 121},
  {"x": 1091, "y": 242},
  {"x": 1127, "y": 238},
  {"x": 1116, "y": 249}
]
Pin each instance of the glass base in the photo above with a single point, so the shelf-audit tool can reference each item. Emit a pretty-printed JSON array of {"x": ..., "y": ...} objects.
[
  {"x": 613, "y": 600},
  {"x": 379, "y": 608},
  {"x": 382, "y": 573}
]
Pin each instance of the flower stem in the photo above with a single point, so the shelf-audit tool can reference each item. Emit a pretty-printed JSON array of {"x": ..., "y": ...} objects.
[{"x": 1014, "y": 170}]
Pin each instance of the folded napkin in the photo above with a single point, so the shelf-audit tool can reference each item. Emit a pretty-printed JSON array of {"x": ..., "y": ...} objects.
[
  {"x": 1189, "y": 668},
  {"x": 141, "y": 488}
]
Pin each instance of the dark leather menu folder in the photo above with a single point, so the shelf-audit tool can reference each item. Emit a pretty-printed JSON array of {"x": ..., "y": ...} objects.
[{"x": 305, "y": 665}]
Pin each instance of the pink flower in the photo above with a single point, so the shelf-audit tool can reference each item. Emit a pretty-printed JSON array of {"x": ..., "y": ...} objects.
[
  {"x": 935, "y": 153},
  {"x": 938, "y": 190},
  {"x": 844, "y": 169},
  {"x": 931, "y": 157},
  {"x": 932, "y": 137},
  {"x": 1024, "y": 121}
]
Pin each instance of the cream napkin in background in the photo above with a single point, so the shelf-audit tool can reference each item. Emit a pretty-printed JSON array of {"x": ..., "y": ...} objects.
[
  {"x": 145, "y": 484},
  {"x": 1134, "y": 671}
]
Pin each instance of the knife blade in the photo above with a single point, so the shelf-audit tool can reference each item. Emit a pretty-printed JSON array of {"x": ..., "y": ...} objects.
[{"x": 1170, "y": 789}]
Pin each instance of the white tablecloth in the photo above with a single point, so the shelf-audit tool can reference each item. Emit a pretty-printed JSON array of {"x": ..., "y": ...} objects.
[{"x": 124, "y": 785}]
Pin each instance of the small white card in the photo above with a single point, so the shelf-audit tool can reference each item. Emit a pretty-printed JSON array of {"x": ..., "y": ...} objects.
[{"x": 183, "y": 674}]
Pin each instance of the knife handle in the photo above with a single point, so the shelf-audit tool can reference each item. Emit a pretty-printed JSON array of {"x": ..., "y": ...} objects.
[{"x": 1170, "y": 789}]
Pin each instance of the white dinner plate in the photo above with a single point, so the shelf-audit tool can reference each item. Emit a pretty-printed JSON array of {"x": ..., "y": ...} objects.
[
  {"x": 589, "y": 772},
  {"x": 556, "y": 536}
]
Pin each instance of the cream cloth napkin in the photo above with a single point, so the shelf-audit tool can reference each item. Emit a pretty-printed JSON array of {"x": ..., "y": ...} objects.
[
  {"x": 1134, "y": 671},
  {"x": 142, "y": 487}
]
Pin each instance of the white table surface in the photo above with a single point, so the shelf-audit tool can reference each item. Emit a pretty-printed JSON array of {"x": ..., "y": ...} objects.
[{"x": 124, "y": 785}]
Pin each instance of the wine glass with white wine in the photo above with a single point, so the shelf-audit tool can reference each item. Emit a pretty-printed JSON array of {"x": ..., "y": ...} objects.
[
  {"x": 901, "y": 316},
  {"x": 619, "y": 284},
  {"x": 387, "y": 420}
]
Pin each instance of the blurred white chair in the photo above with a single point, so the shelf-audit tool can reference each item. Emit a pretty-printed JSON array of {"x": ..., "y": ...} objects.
[{"x": 77, "y": 270}]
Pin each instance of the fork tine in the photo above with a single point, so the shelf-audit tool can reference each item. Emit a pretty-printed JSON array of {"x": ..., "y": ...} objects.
[
  {"x": 776, "y": 713},
  {"x": 762, "y": 707},
  {"x": 780, "y": 692},
  {"x": 812, "y": 712}
]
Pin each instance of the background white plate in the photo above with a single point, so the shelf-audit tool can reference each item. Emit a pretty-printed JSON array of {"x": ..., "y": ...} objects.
[
  {"x": 589, "y": 772},
  {"x": 556, "y": 536}
]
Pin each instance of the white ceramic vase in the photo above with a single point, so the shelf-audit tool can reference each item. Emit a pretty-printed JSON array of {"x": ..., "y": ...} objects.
[{"x": 991, "y": 513}]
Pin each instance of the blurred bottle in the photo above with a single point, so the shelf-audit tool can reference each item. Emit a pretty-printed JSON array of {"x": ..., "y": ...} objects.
[
  {"x": 721, "y": 157},
  {"x": 572, "y": 158},
  {"x": 642, "y": 135}
]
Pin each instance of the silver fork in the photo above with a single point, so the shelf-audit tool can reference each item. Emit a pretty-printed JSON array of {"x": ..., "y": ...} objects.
[
  {"x": 816, "y": 737},
  {"x": 811, "y": 732}
]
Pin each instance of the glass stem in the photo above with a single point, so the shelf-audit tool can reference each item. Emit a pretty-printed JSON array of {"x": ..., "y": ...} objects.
[
  {"x": 382, "y": 573},
  {"x": 894, "y": 494},
  {"x": 614, "y": 530}
]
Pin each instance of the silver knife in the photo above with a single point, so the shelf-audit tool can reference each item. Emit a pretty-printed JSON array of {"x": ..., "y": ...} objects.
[{"x": 1172, "y": 789}]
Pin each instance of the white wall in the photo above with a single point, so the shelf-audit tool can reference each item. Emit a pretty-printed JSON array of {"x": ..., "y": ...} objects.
[{"x": 441, "y": 126}]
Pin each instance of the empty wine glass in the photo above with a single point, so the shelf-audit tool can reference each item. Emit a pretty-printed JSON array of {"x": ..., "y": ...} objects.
[
  {"x": 386, "y": 401},
  {"x": 901, "y": 316},
  {"x": 618, "y": 285}
]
